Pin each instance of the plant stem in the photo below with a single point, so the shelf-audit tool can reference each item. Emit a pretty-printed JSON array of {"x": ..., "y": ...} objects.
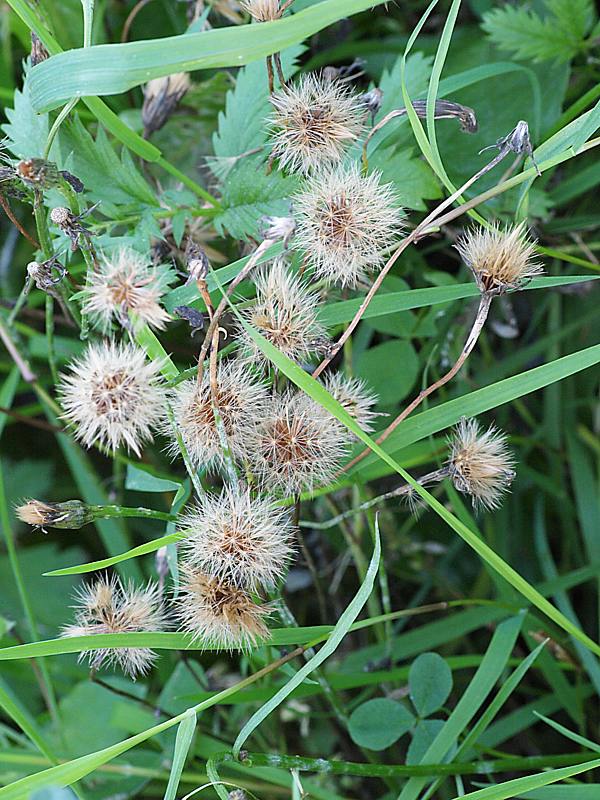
[{"x": 106, "y": 512}]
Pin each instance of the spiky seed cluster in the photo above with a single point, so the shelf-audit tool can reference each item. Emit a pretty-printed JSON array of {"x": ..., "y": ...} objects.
[
  {"x": 298, "y": 446},
  {"x": 264, "y": 10},
  {"x": 243, "y": 540},
  {"x": 313, "y": 122},
  {"x": 480, "y": 463},
  {"x": 109, "y": 606},
  {"x": 113, "y": 396},
  {"x": 499, "y": 258},
  {"x": 219, "y": 613},
  {"x": 354, "y": 395},
  {"x": 286, "y": 313},
  {"x": 124, "y": 283},
  {"x": 72, "y": 514},
  {"x": 344, "y": 223},
  {"x": 241, "y": 400}
]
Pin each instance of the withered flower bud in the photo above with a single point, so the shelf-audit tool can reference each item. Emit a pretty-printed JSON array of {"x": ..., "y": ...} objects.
[
  {"x": 38, "y": 51},
  {"x": 197, "y": 262},
  {"x": 70, "y": 225},
  {"x": 279, "y": 228},
  {"x": 192, "y": 316},
  {"x": 46, "y": 275},
  {"x": 161, "y": 96},
  {"x": 72, "y": 514},
  {"x": 372, "y": 101},
  {"x": 38, "y": 172}
]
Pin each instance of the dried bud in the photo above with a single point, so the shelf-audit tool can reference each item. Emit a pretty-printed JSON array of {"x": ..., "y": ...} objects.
[
  {"x": 192, "y": 316},
  {"x": 38, "y": 51},
  {"x": 39, "y": 173},
  {"x": 72, "y": 514},
  {"x": 279, "y": 228},
  {"x": 198, "y": 264},
  {"x": 46, "y": 274},
  {"x": 161, "y": 97},
  {"x": 445, "y": 109},
  {"x": 347, "y": 72},
  {"x": 60, "y": 216},
  {"x": 161, "y": 563},
  {"x": 265, "y": 10},
  {"x": 518, "y": 141},
  {"x": 372, "y": 101}
]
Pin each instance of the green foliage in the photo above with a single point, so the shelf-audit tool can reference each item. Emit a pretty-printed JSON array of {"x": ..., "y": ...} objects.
[
  {"x": 430, "y": 682},
  {"x": 378, "y": 723}
]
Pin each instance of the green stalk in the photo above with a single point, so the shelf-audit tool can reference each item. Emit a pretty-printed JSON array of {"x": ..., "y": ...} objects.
[{"x": 106, "y": 512}]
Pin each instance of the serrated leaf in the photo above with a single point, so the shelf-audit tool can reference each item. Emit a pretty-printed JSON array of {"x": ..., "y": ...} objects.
[
  {"x": 26, "y": 130},
  {"x": 413, "y": 179}
]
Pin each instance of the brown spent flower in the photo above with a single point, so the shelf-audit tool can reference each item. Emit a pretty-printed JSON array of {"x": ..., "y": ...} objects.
[
  {"x": 161, "y": 96},
  {"x": 499, "y": 258},
  {"x": 72, "y": 514},
  {"x": 265, "y": 10}
]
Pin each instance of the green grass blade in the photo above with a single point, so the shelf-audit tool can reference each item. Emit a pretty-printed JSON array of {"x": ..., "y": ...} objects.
[
  {"x": 183, "y": 740},
  {"x": 341, "y": 628}
]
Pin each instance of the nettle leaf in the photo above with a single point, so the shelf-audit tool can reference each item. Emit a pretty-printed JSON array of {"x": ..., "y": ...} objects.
[
  {"x": 26, "y": 130},
  {"x": 242, "y": 124},
  {"x": 559, "y": 35},
  {"x": 430, "y": 683},
  {"x": 249, "y": 194},
  {"x": 413, "y": 179},
  {"x": 378, "y": 723}
]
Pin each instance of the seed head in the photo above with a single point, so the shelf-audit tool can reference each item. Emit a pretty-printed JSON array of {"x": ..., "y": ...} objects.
[
  {"x": 344, "y": 222},
  {"x": 279, "y": 228},
  {"x": 126, "y": 282},
  {"x": 298, "y": 446},
  {"x": 265, "y": 10},
  {"x": 241, "y": 400},
  {"x": 113, "y": 396},
  {"x": 354, "y": 395},
  {"x": 161, "y": 96},
  {"x": 499, "y": 258},
  {"x": 243, "y": 540},
  {"x": 72, "y": 514},
  {"x": 109, "y": 606},
  {"x": 286, "y": 313},
  {"x": 480, "y": 463},
  {"x": 219, "y": 613},
  {"x": 313, "y": 122}
]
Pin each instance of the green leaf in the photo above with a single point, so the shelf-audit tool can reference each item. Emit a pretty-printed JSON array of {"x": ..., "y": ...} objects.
[
  {"x": 341, "y": 628},
  {"x": 115, "y": 68},
  {"x": 425, "y": 733},
  {"x": 378, "y": 723},
  {"x": 390, "y": 369},
  {"x": 430, "y": 683},
  {"x": 185, "y": 733},
  {"x": 141, "y": 480},
  {"x": 413, "y": 180},
  {"x": 26, "y": 130}
]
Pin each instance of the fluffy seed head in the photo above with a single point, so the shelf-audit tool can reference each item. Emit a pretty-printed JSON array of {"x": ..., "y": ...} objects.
[
  {"x": 313, "y": 122},
  {"x": 126, "y": 283},
  {"x": 113, "y": 396},
  {"x": 234, "y": 537},
  {"x": 220, "y": 613},
  {"x": 286, "y": 313},
  {"x": 354, "y": 395},
  {"x": 264, "y": 10},
  {"x": 72, "y": 514},
  {"x": 241, "y": 400},
  {"x": 109, "y": 606},
  {"x": 344, "y": 222},
  {"x": 298, "y": 446},
  {"x": 499, "y": 258},
  {"x": 480, "y": 463}
]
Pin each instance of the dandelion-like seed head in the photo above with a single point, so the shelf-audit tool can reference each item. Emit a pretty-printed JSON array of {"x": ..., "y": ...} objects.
[
  {"x": 113, "y": 396},
  {"x": 480, "y": 463},
  {"x": 241, "y": 400},
  {"x": 244, "y": 540},
  {"x": 110, "y": 606},
  {"x": 344, "y": 223},
  {"x": 286, "y": 313},
  {"x": 219, "y": 613},
  {"x": 499, "y": 258},
  {"x": 313, "y": 122},
  {"x": 124, "y": 283},
  {"x": 264, "y": 10},
  {"x": 298, "y": 446},
  {"x": 354, "y": 395}
]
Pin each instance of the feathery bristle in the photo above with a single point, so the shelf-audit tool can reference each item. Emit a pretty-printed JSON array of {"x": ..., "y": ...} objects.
[
  {"x": 109, "y": 606},
  {"x": 241, "y": 400},
  {"x": 298, "y": 446},
  {"x": 285, "y": 312},
  {"x": 313, "y": 122},
  {"x": 113, "y": 396},
  {"x": 344, "y": 223},
  {"x": 499, "y": 258},
  {"x": 218, "y": 613},
  {"x": 354, "y": 395},
  {"x": 243, "y": 540},
  {"x": 262, "y": 10},
  {"x": 123, "y": 283},
  {"x": 480, "y": 463}
]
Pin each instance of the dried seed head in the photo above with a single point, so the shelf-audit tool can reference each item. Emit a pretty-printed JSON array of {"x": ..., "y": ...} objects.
[
  {"x": 124, "y": 283},
  {"x": 241, "y": 400},
  {"x": 113, "y": 396},
  {"x": 72, "y": 514},
  {"x": 286, "y": 313},
  {"x": 298, "y": 446},
  {"x": 219, "y": 613},
  {"x": 109, "y": 606},
  {"x": 60, "y": 215},
  {"x": 38, "y": 172},
  {"x": 38, "y": 51},
  {"x": 198, "y": 264},
  {"x": 354, "y": 395},
  {"x": 277, "y": 228},
  {"x": 499, "y": 258},
  {"x": 344, "y": 223},
  {"x": 244, "y": 540},
  {"x": 313, "y": 122},
  {"x": 161, "y": 96},
  {"x": 265, "y": 10},
  {"x": 480, "y": 463}
]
